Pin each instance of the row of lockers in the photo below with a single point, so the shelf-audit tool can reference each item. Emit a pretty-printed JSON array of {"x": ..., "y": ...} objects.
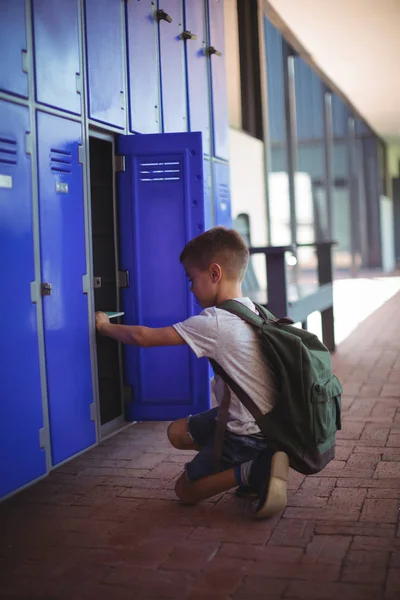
[
  {"x": 162, "y": 61},
  {"x": 158, "y": 213}
]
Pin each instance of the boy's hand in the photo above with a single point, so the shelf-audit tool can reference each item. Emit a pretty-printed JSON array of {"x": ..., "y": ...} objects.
[{"x": 101, "y": 319}]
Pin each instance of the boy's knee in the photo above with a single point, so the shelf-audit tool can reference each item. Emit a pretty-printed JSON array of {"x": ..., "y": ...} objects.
[{"x": 177, "y": 433}]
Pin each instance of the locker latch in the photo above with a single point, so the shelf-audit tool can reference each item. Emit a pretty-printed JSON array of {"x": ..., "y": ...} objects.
[
  {"x": 45, "y": 289},
  {"x": 211, "y": 50},
  {"x": 188, "y": 35},
  {"x": 123, "y": 279},
  {"x": 163, "y": 16},
  {"x": 97, "y": 282}
]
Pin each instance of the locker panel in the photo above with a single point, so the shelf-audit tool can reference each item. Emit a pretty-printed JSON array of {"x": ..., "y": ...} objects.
[
  {"x": 13, "y": 79},
  {"x": 143, "y": 75},
  {"x": 57, "y": 53},
  {"x": 218, "y": 80},
  {"x": 22, "y": 459},
  {"x": 104, "y": 51},
  {"x": 65, "y": 311},
  {"x": 173, "y": 84},
  {"x": 222, "y": 195},
  {"x": 196, "y": 70},
  {"x": 208, "y": 203},
  {"x": 161, "y": 208}
]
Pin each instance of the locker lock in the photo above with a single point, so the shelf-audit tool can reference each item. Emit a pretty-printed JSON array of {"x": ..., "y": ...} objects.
[
  {"x": 188, "y": 35},
  {"x": 45, "y": 289},
  {"x": 163, "y": 16},
  {"x": 211, "y": 50}
]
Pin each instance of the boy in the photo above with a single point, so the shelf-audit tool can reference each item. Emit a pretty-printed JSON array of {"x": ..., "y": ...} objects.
[{"x": 215, "y": 264}]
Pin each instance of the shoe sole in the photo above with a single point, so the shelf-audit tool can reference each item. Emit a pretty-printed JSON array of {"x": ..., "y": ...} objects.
[{"x": 276, "y": 499}]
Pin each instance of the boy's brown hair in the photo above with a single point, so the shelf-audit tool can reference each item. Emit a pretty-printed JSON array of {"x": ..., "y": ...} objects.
[{"x": 218, "y": 245}]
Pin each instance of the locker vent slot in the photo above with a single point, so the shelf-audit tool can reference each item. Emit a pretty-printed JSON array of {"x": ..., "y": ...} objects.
[
  {"x": 60, "y": 161},
  {"x": 8, "y": 151},
  {"x": 160, "y": 171},
  {"x": 223, "y": 196}
]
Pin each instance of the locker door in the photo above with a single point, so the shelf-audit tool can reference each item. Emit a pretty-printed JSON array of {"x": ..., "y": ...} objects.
[
  {"x": 68, "y": 367},
  {"x": 196, "y": 71},
  {"x": 105, "y": 61},
  {"x": 218, "y": 79},
  {"x": 57, "y": 53},
  {"x": 144, "y": 102},
  {"x": 222, "y": 195},
  {"x": 13, "y": 79},
  {"x": 161, "y": 209},
  {"x": 172, "y": 68},
  {"x": 22, "y": 459}
]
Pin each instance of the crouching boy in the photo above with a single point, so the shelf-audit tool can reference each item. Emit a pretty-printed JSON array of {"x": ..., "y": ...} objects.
[{"x": 215, "y": 264}]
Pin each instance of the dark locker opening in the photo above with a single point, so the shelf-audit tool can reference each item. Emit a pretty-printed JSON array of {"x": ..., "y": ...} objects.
[{"x": 105, "y": 271}]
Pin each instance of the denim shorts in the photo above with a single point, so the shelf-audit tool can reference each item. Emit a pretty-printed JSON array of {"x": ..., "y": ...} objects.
[{"x": 236, "y": 449}]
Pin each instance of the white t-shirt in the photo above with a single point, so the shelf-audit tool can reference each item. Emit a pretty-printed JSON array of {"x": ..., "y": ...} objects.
[{"x": 236, "y": 347}]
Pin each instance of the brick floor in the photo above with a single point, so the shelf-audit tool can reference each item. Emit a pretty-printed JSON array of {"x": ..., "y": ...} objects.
[{"x": 107, "y": 525}]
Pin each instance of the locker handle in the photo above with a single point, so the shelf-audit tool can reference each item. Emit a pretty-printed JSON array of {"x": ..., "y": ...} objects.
[
  {"x": 188, "y": 35},
  {"x": 211, "y": 50},
  {"x": 163, "y": 16}
]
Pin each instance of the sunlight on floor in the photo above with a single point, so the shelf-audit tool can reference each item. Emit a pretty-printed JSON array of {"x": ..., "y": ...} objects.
[{"x": 354, "y": 301}]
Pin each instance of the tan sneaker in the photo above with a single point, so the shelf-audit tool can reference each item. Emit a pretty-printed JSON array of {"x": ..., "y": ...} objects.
[{"x": 269, "y": 477}]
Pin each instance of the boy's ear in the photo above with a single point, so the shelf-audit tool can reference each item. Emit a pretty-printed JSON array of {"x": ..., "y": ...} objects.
[{"x": 215, "y": 272}]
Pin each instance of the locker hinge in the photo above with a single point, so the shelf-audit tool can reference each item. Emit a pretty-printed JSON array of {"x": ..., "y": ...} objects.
[
  {"x": 119, "y": 164},
  {"x": 35, "y": 292},
  {"x": 78, "y": 82},
  {"x": 93, "y": 412},
  {"x": 81, "y": 155},
  {"x": 43, "y": 438},
  {"x": 127, "y": 393},
  {"x": 122, "y": 95},
  {"x": 85, "y": 283},
  {"x": 24, "y": 61},
  {"x": 29, "y": 143},
  {"x": 123, "y": 279},
  {"x": 163, "y": 16}
]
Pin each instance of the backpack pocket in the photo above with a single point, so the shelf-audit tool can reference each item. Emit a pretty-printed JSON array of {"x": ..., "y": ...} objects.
[{"x": 326, "y": 407}]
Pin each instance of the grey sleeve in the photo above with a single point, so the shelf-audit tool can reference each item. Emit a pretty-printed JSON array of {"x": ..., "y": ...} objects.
[{"x": 200, "y": 333}]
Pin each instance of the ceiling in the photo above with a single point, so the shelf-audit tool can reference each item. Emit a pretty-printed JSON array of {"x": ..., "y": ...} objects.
[{"x": 356, "y": 43}]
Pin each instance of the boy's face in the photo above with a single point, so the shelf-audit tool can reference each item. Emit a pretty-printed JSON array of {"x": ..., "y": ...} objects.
[{"x": 204, "y": 283}]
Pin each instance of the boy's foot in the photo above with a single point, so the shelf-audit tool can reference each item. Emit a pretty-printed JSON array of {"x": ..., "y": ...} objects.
[
  {"x": 243, "y": 491},
  {"x": 269, "y": 477}
]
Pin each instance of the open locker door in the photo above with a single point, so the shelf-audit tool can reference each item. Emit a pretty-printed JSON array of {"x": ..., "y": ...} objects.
[{"x": 161, "y": 200}]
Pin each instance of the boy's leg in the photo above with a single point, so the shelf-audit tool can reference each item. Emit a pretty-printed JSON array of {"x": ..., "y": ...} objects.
[
  {"x": 178, "y": 435},
  {"x": 206, "y": 487}
]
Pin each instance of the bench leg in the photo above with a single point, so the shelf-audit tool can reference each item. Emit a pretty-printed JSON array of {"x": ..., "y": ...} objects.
[{"x": 328, "y": 330}]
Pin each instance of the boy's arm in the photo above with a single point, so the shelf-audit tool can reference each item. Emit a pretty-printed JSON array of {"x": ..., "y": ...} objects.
[{"x": 136, "y": 335}]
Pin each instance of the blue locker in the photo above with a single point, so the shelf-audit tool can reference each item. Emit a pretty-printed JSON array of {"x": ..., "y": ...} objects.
[
  {"x": 22, "y": 459},
  {"x": 172, "y": 61},
  {"x": 65, "y": 311},
  {"x": 161, "y": 209},
  {"x": 196, "y": 69},
  {"x": 13, "y": 79},
  {"x": 219, "y": 92},
  {"x": 57, "y": 53},
  {"x": 222, "y": 195},
  {"x": 105, "y": 61},
  {"x": 144, "y": 88}
]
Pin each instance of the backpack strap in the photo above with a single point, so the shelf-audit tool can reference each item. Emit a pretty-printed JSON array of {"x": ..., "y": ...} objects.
[
  {"x": 245, "y": 313},
  {"x": 224, "y": 407}
]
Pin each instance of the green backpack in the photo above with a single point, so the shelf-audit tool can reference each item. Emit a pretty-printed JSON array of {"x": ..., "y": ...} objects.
[{"x": 306, "y": 415}]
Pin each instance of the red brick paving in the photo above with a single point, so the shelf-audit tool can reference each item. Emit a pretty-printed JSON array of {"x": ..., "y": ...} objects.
[{"x": 107, "y": 525}]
